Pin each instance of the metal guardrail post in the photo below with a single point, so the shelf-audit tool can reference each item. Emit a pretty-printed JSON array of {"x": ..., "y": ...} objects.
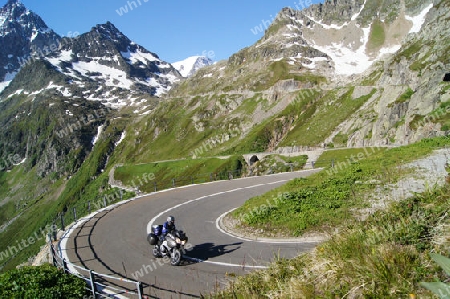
[
  {"x": 140, "y": 290},
  {"x": 75, "y": 214},
  {"x": 66, "y": 268},
  {"x": 156, "y": 187},
  {"x": 62, "y": 222},
  {"x": 52, "y": 252},
  {"x": 92, "y": 280},
  {"x": 89, "y": 207},
  {"x": 173, "y": 183},
  {"x": 53, "y": 233}
]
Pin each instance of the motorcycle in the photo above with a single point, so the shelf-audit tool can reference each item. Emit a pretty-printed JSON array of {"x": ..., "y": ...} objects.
[{"x": 172, "y": 246}]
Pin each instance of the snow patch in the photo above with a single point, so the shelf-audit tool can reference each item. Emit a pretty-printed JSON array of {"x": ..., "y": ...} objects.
[
  {"x": 419, "y": 20},
  {"x": 17, "y": 92},
  {"x": 355, "y": 16},
  {"x": 65, "y": 56},
  {"x": 325, "y": 26},
  {"x": 348, "y": 61},
  {"x": 7, "y": 79},
  {"x": 122, "y": 137},
  {"x": 138, "y": 56},
  {"x": 314, "y": 60},
  {"x": 34, "y": 34},
  {"x": 389, "y": 50},
  {"x": 99, "y": 132},
  {"x": 112, "y": 76}
]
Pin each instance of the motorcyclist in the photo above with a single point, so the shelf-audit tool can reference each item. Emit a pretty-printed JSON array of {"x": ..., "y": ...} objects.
[{"x": 168, "y": 227}]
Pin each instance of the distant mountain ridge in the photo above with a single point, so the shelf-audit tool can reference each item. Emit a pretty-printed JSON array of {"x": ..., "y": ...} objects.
[
  {"x": 191, "y": 65},
  {"x": 124, "y": 72},
  {"x": 102, "y": 64}
]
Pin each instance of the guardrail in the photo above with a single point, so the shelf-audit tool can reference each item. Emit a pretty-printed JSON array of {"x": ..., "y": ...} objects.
[{"x": 96, "y": 282}]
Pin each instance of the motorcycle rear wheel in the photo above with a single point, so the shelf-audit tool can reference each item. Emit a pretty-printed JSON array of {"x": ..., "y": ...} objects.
[{"x": 176, "y": 257}]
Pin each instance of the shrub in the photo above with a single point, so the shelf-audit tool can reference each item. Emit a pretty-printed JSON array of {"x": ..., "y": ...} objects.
[{"x": 41, "y": 282}]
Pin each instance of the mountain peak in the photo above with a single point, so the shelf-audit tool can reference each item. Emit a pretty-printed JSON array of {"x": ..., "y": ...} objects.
[
  {"x": 109, "y": 31},
  {"x": 191, "y": 65},
  {"x": 106, "y": 26},
  {"x": 14, "y": 2},
  {"x": 22, "y": 34},
  {"x": 13, "y": 8}
]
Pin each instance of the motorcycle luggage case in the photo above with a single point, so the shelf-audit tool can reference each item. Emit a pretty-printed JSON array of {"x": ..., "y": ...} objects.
[{"x": 152, "y": 239}]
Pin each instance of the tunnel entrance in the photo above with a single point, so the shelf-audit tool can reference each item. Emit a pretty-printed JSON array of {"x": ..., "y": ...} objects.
[
  {"x": 447, "y": 77},
  {"x": 253, "y": 160}
]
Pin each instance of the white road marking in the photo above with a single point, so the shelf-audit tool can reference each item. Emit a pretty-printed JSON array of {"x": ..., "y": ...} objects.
[
  {"x": 225, "y": 264},
  {"x": 151, "y": 222},
  {"x": 254, "y": 186},
  {"x": 225, "y": 232},
  {"x": 277, "y": 182},
  {"x": 260, "y": 240},
  {"x": 233, "y": 190}
]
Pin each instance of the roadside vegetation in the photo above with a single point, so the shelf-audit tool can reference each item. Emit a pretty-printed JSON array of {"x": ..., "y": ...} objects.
[
  {"x": 328, "y": 198},
  {"x": 383, "y": 254},
  {"x": 41, "y": 282},
  {"x": 167, "y": 174}
]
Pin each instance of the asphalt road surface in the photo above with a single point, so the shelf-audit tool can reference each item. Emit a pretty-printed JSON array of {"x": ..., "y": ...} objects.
[{"x": 115, "y": 243}]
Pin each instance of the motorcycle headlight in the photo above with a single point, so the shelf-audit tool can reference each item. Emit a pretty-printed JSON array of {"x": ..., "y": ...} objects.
[
  {"x": 183, "y": 242},
  {"x": 177, "y": 240}
]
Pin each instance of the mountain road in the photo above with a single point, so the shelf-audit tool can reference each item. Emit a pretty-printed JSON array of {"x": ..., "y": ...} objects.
[{"x": 114, "y": 241}]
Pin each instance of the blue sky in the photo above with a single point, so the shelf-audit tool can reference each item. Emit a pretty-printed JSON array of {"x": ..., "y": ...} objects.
[{"x": 174, "y": 30}]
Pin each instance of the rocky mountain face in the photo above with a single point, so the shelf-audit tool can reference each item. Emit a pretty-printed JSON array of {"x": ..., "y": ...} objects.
[
  {"x": 105, "y": 66},
  {"x": 123, "y": 72},
  {"x": 60, "y": 92},
  {"x": 413, "y": 95},
  {"x": 380, "y": 64},
  {"x": 23, "y": 35},
  {"x": 48, "y": 133}
]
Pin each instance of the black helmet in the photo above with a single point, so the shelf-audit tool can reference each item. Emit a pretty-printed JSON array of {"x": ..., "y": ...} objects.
[{"x": 171, "y": 219}]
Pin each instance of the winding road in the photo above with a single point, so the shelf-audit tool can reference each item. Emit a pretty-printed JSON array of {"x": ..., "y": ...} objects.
[{"x": 114, "y": 241}]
